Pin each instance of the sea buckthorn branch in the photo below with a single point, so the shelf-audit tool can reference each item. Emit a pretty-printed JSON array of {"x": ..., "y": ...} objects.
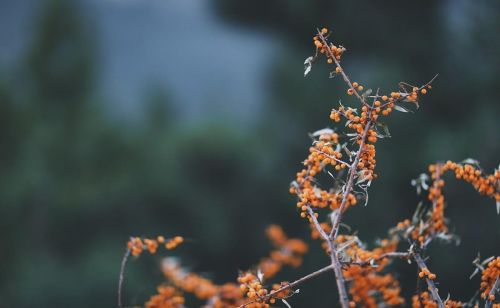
[
  {"x": 388, "y": 255},
  {"x": 433, "y": 224},
  {"x": 428, "y": 278},
  {"x": 362, "y": 270},
  {"x": 490, "y": 281},
  {"x": 318, "y": 227},
  {"x": 344, "y": 299},
  {"x": 135, "y": 247},
  {"x": 287, "y": 251},
  {"x": 167, "y": 297},
  {"x": 351, "y": 175},
  {"x": 335, "y": 262},
  {"x": 189, "y": 282},
  {"x": 333, "y": 158},
  {"x": 293, "y": 284},
  {"x": 336, "y": 60},
  {"x": 366, "y": 131},
  {"x": 491, "y": 296}
]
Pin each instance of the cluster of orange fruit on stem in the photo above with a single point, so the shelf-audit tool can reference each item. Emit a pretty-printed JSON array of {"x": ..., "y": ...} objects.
[
  {"x": 488, "y": 279},
  {"x": 336, "y": 51},
  {"x": 322, "y": 154},
  {"x": 436, "y": 223},
  {"x": 249, "y": 291},
  {"x": 424, "y": 300},
  {"x": 251, "y": 285},
  {"x": 370, "y": 286},
  {"x": 287, "y": 252},
  {"x": 167, "y": 297},
  {"x": 426, "y": 273},
  {"x": 364, "y": 270},
  {"x": 136, "y": 245}
]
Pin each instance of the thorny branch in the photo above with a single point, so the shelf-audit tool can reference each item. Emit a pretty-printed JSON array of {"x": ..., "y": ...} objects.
[
  {"x": 293, "y": 284},
  {"x": 336, "y": 265},
  {"x": 430, "y": 283},
  {"x": 333, "y": 158},
  {"x": 388, "y": 255},
  {"x": 344, "y": 301},
  {"x": 324, "y": 270},
  {"x": 493, "y": 290},
  {"x": 337, "y": 64}
]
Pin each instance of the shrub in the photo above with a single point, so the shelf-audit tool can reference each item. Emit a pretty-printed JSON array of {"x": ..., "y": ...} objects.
[{"x": 364, "y": 277}]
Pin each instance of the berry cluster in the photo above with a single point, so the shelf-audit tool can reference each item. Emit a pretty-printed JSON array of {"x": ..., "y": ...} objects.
[
  {"x": 370, "y": 286},
  {"x": 488, "y": 279},
  {"x": 249, "y": 291},
  {"x": 332, "y": 51},
  {"x": 435, "y": 223},
  {"x": 167, "y": 297},
  {"x": 424, "y": 300},
  {"x": 287, "y": 252},
  {"x": 426, "y": 273},
  {"x": 349, "y": 157},
  {"x": 136, "y": 245}
]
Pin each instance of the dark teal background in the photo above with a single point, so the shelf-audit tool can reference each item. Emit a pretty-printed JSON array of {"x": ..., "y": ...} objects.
[{"x": 144, "y": 117}]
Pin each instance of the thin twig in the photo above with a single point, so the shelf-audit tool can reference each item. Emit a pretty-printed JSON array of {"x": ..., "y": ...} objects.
[
  {"x": 344, "y": 300},
  {"x": 493, "y": 290},
  {"x": 388, "y": 255},
  {"x": 351, "y": 175},
  {"x": 291, "y": 285},
  {"x": 122, "y": 275},
  {"x": 316, "y": 224},
  {"x": 430, "y": 283},
  {"x": 335, "y": 262},
  {"x": 337, "y": 64},
  {"x": 333, "y": 157},
  {"x": 402, "y": 97}
]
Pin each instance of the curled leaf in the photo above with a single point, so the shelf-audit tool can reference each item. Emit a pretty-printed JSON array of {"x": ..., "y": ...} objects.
[
  {"x": 308, "y": 65},
  {"x": 401, "y": 108}
]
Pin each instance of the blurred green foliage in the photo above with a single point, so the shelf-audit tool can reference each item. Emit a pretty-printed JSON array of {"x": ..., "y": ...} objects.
[{"x": 75, "y": 184}]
